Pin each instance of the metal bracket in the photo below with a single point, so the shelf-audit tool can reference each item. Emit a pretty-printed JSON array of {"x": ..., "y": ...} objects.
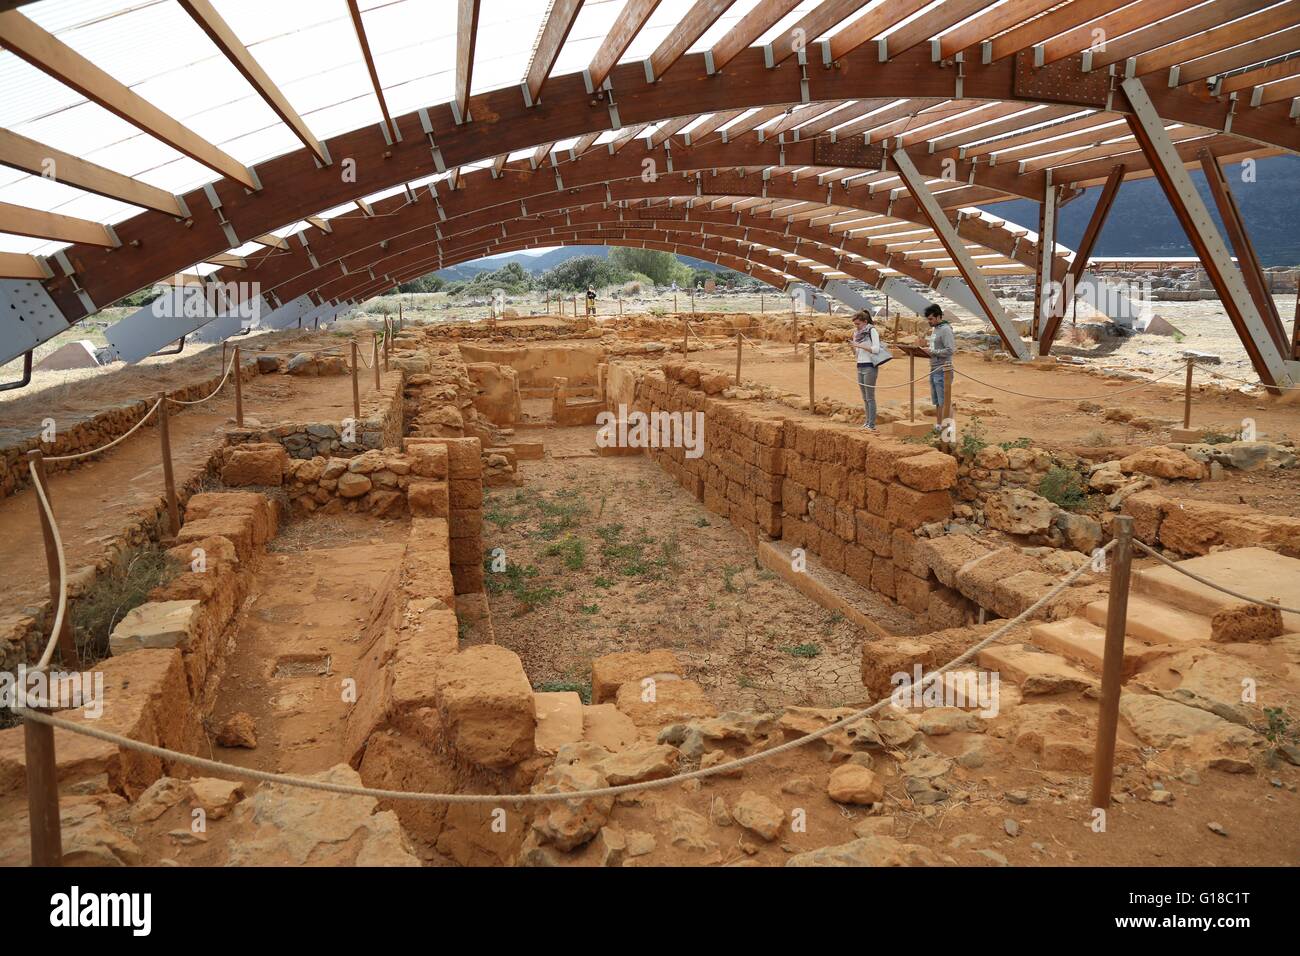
[
  {"x": 427, "y": 125},
  {"x": 226, "y": 226}
]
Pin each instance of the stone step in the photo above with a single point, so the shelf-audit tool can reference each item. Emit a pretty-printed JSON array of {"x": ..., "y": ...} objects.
[
  {"x": 559, "y": 720},
  {"x": 1255, "y": 571},
  {"x": 1084, "y": 643},
  {"x": 1034, "y": 670},
  {"x": 1155, "y": 621},
  {"x": 606, "y": 725}
]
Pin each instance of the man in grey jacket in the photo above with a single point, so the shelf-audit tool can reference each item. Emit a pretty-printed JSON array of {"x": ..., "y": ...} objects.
[{"x": 941, "y": 347}]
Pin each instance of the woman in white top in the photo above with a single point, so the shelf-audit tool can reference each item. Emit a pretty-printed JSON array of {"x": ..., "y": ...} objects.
[{"x": 866, "y": 345}]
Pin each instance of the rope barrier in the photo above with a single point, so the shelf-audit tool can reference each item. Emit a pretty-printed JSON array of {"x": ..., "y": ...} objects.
[
  {"x": 263, "y": 776},
  {"x": 326, "y": 348},
  {"x": 1069, "y": 398},
  {"x": 220, "y": 385},
  {"x": 852, "y": 378},
  {"x": 120, "y": 438},
  {"x": 1280, "y": 388},
  {"x": 1218, "y": 587},
  {"x": 62, "y": 608}
]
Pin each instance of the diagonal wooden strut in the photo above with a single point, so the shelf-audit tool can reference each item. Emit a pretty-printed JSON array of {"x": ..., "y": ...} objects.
[
  {"x": 1271, "y": 364},
  {"x": 952, "y": 242}
]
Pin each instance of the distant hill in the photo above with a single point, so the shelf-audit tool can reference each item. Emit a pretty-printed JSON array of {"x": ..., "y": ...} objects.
[
  {"x": 537, "y": 264},
  {"x": 1141, "y": 223}
]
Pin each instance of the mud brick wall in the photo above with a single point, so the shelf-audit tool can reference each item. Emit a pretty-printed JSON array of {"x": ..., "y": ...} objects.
[
  {"x": 92, "y": 431},
  {"x": 464, "y": 463},
  {"x": 854, "y": 499}
]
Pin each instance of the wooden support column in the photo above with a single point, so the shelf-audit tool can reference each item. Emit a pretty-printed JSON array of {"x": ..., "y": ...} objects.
[
  {"x": 1081, "y": 256},
  {"x": 1269, "y": 362},
  {"x": 1043, "y": 265},
  {"x": 956, "y": 249},
  {"x": 1251, "y": 269}
]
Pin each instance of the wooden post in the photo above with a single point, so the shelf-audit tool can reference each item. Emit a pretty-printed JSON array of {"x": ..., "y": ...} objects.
[
  {"x": 169, "y": 480},
  {"x": 620, "y": 308},
  {"x": 812, "y": 372},
  {"x": 686, "y": 337},
  {"x": 1295, "y": 324},
  {"x": 356, "y": 388},
  {"x": 42, "y": 795},
  {"x": 794, "y": 331},
  {"x": 399, "y": 315},
  {"x": 388, "y": 334},
  {"x": 911, "y": 387},
  {"x": 67, "y": 648},
  {"x": 239, "y": 391},
  {"x": 887, "y": 308},
  {"x": 762, "y": 305},
  {"x": 1112, "y": 666},
  {"x": 374, "y": 360},
  {"x": 946, "y": 411},
  {"x": 1187, "y": 397},
  {"x": 674, "y": 303},
  {"x": 738, "y": 341}
]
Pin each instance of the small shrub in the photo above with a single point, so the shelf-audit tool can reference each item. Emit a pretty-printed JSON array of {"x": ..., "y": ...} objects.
[
  {"x": 1279, "y": 729},
  {"x": 572, "y": 550},
  {"x": 566, "y": 686},
  {"x": 972, "y": 439},
  {"x": 1217, "y": 438},
  {"x": 802, "y": 650},
  {"x": 1018, "y": 443},
  {"x": 126, "y": 586},
  {"x": 729, "y": 579},
  {"x": 1063, "y": 487}
]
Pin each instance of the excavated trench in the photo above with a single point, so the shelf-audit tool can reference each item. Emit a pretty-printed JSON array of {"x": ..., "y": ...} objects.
[{"x": 448, "y": 616}]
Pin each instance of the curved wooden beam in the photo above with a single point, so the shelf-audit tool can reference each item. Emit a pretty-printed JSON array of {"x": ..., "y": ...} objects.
[{"x": 293, "y": 187}]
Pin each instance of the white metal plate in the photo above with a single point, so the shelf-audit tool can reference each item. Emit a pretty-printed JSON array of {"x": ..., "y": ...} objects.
[{"x": 28, "y": 317}]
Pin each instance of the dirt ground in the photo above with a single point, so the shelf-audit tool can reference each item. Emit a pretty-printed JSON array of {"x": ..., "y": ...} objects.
[
  {"x": 1022, "y": 401},
  {"x": 609, "y": 554},
  {"x": 299, "y": 636},
  {"x": 90, "y": 501}
]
